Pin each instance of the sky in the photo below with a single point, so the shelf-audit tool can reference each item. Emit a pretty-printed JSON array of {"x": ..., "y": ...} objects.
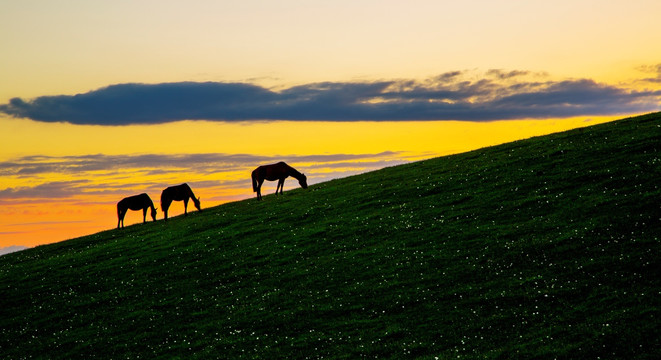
[{"x": 104, "y": 100}]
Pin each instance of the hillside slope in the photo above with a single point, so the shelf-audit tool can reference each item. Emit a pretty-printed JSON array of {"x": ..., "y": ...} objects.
[{"x": 546, "y": 248}]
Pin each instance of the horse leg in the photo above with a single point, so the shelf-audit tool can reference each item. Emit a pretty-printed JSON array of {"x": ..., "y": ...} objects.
[
  {"x": 185, "y": 206},
  {"x": 281, "y": 184},
  {"x": 120, "y": 217},
  {"x": 259, "y": 189},
  {"x": 165, "y": 205},
  {"x": 144, "y": 215}
]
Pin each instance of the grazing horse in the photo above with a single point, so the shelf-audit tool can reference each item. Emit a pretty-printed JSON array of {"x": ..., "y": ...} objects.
[
  {"x": 280, "y": 172},
  {"x": 178, "y": 193},
  {"x": 136, "y": 202}
]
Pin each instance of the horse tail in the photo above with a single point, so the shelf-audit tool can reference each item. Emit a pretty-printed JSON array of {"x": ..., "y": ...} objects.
[{"x": 254, "y": 181}]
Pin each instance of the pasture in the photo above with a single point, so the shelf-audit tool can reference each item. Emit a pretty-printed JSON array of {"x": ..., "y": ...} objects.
[{"x": 541, "y": 248}]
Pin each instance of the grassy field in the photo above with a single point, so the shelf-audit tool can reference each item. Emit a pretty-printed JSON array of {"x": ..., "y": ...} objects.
[{"x": 542, "y": 248}]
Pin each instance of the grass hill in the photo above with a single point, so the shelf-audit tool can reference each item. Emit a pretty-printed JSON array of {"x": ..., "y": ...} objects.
[{"x": 541, "y": 248}]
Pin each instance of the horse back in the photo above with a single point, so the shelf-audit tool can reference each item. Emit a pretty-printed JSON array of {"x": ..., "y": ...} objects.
[
  {"x": 135, "y": 202},
  {"x": 177, "y": 192},
  {"x": 274, "y": 171}
]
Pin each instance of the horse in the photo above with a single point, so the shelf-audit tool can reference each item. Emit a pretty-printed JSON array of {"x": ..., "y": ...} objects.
[
  {"x": 178, "y": 193},
  {"x": 280, "y": 172},
  {"x": 136, "y": 202}
]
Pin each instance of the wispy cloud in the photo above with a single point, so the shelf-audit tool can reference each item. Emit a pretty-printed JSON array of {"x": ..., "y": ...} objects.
[
  {"x": 457, "y": 95},
  {"x": 160, "y": 163},
  {"x": 10, "y": 249},
  {"x": 654, "y": 70},
  {"x": 34, "y": 165},
  {"x": 113, "y": 176},
  {"x": 53, "y": 190}
]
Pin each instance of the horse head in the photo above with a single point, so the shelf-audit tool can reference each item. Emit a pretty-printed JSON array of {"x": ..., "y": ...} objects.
[
  {"x": 197, "y": 203},
  {"x": 153, "y": 213},
  {"x": 303, "y": 181}
]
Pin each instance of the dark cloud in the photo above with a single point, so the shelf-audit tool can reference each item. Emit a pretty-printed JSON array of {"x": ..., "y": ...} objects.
[
  {"x": 142, "y": 103},
  {"x": 457, "y": 95}
]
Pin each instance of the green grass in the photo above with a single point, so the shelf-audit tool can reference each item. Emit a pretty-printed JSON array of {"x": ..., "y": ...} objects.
[{"x": 542, "y": 248}]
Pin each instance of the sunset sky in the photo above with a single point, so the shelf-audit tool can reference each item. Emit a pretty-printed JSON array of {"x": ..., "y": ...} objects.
[{"x": 103, "y": 100}]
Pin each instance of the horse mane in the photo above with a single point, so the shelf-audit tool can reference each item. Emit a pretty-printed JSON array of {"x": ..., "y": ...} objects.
[
  {"x": 192, "y": 195},
  {"x": 295, "y": 173},
  {"x": 151, "y": 203}
]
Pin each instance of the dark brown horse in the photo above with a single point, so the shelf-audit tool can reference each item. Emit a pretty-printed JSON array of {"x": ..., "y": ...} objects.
[
  {"x": 280, "y": 172},
  {"x": 136, "y": 202},
  {"x": 178, "y": 193}
]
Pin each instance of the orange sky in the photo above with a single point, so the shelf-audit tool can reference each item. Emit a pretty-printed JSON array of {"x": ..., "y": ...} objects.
[{"x": 479, "y": 72}]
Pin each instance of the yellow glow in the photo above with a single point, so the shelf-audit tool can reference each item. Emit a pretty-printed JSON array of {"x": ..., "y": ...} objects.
[
  {"x": 24, "y": 137},
  {"x": 36, "y": 222}
]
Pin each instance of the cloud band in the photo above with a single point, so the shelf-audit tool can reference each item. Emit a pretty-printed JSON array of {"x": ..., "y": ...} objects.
[{"x": 495, "y": 95}]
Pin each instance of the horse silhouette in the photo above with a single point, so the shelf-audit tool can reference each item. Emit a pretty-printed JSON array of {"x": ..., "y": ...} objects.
[
  {"x": 178, "y": 193},
  {"x": 280, "y": 172},
  {"x": 136, "y": 202}
]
